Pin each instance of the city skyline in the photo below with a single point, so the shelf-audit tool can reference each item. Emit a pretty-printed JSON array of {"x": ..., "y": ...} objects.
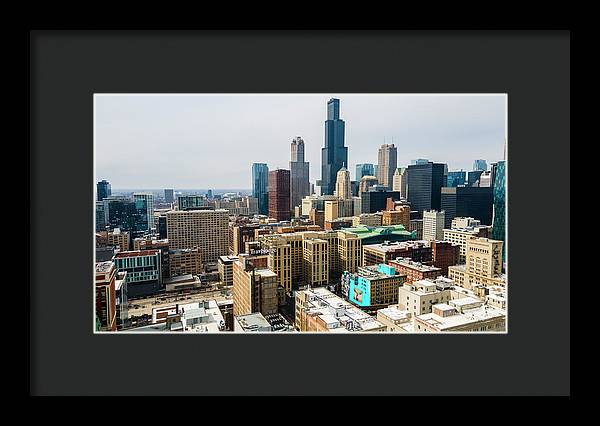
[{"x": 453, "y": 129}]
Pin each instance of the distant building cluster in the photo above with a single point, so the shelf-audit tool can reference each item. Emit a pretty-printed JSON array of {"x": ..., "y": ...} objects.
[{"x": 410, "y": 249}]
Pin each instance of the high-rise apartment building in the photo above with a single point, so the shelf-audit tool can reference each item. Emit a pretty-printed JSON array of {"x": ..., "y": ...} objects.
[
  {"x": 365, "y": 169},
  {"x": 254, "y": 286},
  {"x": 400, "y": 181},
  {"x": 279, "y": 195},
  {"x": 102, "y": 190},
  {"x": 279, "y": 260},
  {"x": 425, "y": 182},
  {"x": 299, "y": 173},
  {"x": 260, "y": 183},
  {"x": 433, "y": 225},
  {"x": 315, "y": 261},
  {"x": 387, "y": 161},
  {"x": 334, "y": 155},
  {"x": 342, "y": 184},
  {"x": 204, "y": 229}
]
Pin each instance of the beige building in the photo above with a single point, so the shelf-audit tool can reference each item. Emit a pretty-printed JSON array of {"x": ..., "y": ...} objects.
[
  {"x": 118, "y": 238},
  {"x": 396, "y": 320},
  {"x": 315, "y": 254},
  {"x": 433, "y": 225},
  {"x": 280, "y": 260},
  {"x": 464, "y": 222},
  {"x": 225, "y": 265},
  {"x": 185, "y": 261},
  {"x": 387, "y": 160},
  {"x": 332, "y": 210},
  {"x": 368, "y": 219},
  {"x": 319, "y": 310},
  {"x": 459, "y": 237},
  {"x": 400, "y": 181},
  {"x": 203, "y": 229},
  {"x": 461, "y": 315},
  {"x": 400, "y": 216},
  {"x": 366, "y": 182},
  {"x": 418, "y": 297},
  {"x": 483, "y": 266},
  {"x": 342, "y": 184},
  {"x": 344, "y": 252},
  {"x": 254, "y": 286}
]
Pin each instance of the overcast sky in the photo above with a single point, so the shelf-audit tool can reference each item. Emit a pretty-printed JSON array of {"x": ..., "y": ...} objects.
[{"x": 211, "y": 141}]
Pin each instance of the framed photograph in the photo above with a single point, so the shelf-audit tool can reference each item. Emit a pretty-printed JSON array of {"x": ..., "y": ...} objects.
[{"x": 269, "y": 203}]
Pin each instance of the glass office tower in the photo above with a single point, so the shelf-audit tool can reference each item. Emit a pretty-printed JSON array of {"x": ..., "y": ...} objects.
[
  {"x": 334, "y": 155},
  {"x": 499, "y": 188},
  {"x": 425, "y": 182},
  {"x": 102, "y": 190},
  {"x": 260, "y": 183},
  {"x": 456, "y": 178},
  {"x": 365, "y": 169}
]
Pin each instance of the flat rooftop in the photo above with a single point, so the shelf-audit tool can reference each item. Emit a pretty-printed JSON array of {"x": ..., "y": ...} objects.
[
  {"x": 103, "y": 267},
  {"x": 482, "y": 313},
  {"x": 136, "y": 253},
  {"x": 408, "y": 263}
]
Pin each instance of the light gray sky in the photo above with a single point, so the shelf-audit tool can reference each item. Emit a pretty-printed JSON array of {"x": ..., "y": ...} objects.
[{"x": 211, "y": 141}]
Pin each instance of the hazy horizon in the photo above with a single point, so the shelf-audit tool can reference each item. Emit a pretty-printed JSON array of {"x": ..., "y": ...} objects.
[{"x": 210, "y": 141}]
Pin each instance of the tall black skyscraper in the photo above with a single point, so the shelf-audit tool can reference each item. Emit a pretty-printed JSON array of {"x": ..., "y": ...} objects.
[
  {"x": 334, "y": 155},
  {"x": 102, "y": 190},
  {"x": 425, "y": 182}
]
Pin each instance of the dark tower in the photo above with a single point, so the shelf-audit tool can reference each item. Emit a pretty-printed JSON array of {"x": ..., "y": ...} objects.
[{"x": 334, "y": 155}]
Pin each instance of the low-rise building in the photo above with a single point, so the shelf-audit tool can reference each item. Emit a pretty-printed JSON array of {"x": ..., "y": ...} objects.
[
  {"x": 372, "y": 285},
  {"x": 418, "y": 251},
  {"x": 418, "y": 297},
  {"x": 414, "y": 271},
  {"x": 455, "y": 318},
  {"x": 396, "y": 320},
  {"x": 319, "y": 310},
  {"x": 185, "y": 261}
]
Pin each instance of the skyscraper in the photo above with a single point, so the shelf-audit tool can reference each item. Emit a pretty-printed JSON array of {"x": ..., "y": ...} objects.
[
  {"x": 419, "y": 161},
  {"x": 479, "y": 165},
  {"x": 299, "y": 172},
  {"x": 279, "y": 195},
  {"x": 463, "y": 201},
  {"x": 144, "y": 201},
  {"x": 334, "y": 155},
  {"x": 499, "y": 193},
  {"x": 365, "y": 169},
  {"x": 400, "y": 181},
  {"x": 425, "y": 183},
  {"x": 473, "y": 177},
  {"x": 102, "y": 190},
  {"x": 260, "y": 183},
  {"x": 342, "y": 184},
  {"x": 387, "y": 160}
]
